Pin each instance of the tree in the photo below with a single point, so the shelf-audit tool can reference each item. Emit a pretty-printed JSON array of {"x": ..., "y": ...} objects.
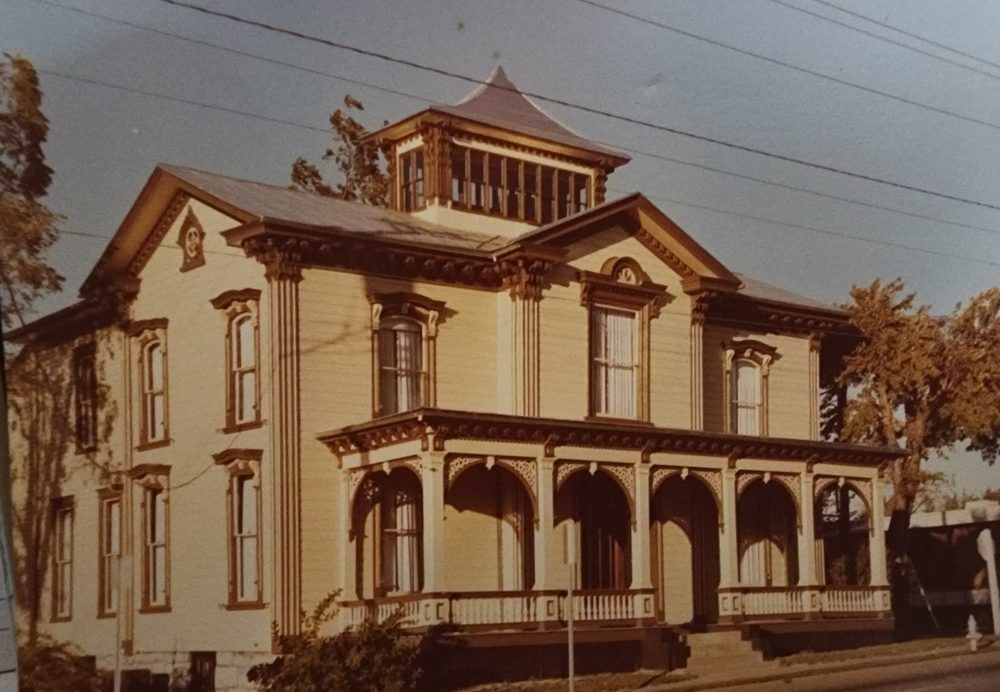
[
  {"x": 370, "y": 657},
  {"x": 359, "y": 162},
  {"x": 923, "y": 384},
  {"x": 27, "y": 227}
]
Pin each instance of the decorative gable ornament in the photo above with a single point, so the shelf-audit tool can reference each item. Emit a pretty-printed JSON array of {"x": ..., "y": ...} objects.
[{"x": 191, "y": 240}]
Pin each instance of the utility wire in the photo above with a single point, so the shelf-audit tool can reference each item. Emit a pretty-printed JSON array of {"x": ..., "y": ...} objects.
[
  {"x": 247, "y": 114},
  {"x": 775, "y": 61},
  {"x": 918, "y": 37},
  {"x": 423, "y": 99},
  {"x": 587, "y": 109},
  {"x": 850, "y": 27}
]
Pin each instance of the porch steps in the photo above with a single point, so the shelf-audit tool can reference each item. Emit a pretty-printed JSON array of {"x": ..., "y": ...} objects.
[{"x": 719, "y": 651}]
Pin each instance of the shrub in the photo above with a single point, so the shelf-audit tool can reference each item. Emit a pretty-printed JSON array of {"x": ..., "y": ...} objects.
[
  {"x": 47, "y": 665},
  {"x": 375, "y": 657}
]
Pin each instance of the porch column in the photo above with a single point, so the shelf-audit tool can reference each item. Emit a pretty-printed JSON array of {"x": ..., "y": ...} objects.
[
  {"x": 432, "y": 492},
  {"x": 876, "y": 537},
  {"x": 807, "y": 546},
  {"x": 729, "y": 562},
  {"x": 344, "y": 532},
  {"x": 730, "y": 602},
  {"x": 807, "y": 533},
  {"x": 546, "y": 605},
  {"x": 641, "y": 578}
]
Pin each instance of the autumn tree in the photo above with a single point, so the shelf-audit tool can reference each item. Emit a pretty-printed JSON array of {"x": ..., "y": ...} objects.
[
  {"x": 357, "y": 162},
  {"x": 27, "y": 227},
  {"x": 922, "y": 383}
]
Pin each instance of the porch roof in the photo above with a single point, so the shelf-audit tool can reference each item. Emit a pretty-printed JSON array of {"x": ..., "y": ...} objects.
[{"x": 443, "y": 424}]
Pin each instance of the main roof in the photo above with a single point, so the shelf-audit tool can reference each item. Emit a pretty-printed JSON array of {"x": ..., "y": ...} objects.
[{"x": 498, "y": 103}]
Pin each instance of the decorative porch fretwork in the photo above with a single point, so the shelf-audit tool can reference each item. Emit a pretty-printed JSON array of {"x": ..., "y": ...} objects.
[
  {"x": 524, "y": 469},
  {"x": 862, "y": 487},
  {"x": 363, "y": 477},
  {"x": 624, "y": 474},
  {"x": 789, "y": 480}
]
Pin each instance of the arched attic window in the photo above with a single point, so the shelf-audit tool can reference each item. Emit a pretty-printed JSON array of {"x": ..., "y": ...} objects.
[
  {"x": 404, "y": 335},
  {"x": 747, "y": 367}
]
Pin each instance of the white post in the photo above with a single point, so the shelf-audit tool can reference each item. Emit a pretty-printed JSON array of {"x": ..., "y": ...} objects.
[
  {"x": 987, "y": 550},
  {"x": 571, "y": 561}
]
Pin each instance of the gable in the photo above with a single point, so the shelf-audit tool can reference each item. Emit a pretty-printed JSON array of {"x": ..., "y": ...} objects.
[{"x": 635, "y": 217}]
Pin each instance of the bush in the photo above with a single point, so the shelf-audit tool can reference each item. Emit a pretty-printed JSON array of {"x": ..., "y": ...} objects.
[
  {"x": 372, "y": 657},
  {"x": 50, "y": 666}
]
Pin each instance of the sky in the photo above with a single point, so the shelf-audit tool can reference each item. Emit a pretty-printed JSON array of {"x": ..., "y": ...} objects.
[{"x": 910, "y": 118}]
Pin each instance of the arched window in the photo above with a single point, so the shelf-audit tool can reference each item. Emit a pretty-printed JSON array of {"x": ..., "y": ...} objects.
[
  {"x": 404, "y": 331},
  {"x": 747, "y": 404},
  {"x": 153, "y": 393},
  {"x": 748, "y": 365},
  {"x": 401, "y": 365},
  {"x": 243, "y": 369}
]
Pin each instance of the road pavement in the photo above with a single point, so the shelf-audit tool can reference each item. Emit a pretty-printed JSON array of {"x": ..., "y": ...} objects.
[{"x": 972, "y": 673}]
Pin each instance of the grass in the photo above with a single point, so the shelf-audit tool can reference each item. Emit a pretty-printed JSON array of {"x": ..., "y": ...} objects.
[{"x": 601, "y": 682}]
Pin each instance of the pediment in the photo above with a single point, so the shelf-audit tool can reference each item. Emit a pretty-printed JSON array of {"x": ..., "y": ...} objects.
[{"x": 697, "y": 269}]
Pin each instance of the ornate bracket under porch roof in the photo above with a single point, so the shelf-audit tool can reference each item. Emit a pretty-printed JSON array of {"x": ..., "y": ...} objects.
[{"x": 434, "y": 427}]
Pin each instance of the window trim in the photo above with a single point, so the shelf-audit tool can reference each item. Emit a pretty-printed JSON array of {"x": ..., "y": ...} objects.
[
  {"x": 761, "y": 355},
  {"x": 62, "y": 506},
  {"x": 84, "y": 352},
  {"x": 234, "y": 305},
  {"x": 242, "y": 464},
  {"x": 106, "y": 496},
  {"x": 150, "y": 478},
  {"x": 407, "y": 160},
  {"x": 621, "y": 284},
  {"x": 147, "y": 333},
  {"x": 422, "y": 311}
]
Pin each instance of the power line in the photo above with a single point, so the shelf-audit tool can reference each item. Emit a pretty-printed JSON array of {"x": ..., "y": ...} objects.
[
  {"x": 813, "y": 229},
  {"x": 583, "y": 108},
  {"x": 415, "y": 97},
  {"x": 850, "y": 27},
  {"x": 775, "y": 61},
  {"x": 190, "y": 102},
  {"x": 307, "y": 127},
  {"x": 918, "y": 37}
]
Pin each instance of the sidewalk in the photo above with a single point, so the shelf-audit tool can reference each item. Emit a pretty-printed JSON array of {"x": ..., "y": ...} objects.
[{"x": 806, "y": 665}]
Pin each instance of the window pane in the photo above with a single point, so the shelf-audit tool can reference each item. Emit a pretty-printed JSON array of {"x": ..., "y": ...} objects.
[
  {"x": 247, "y": 392},
  {"x": 154, "y": 364},
  {"x": 513, "y": 187},
  {"x": 244, "y": 355},
  {"x": 563, "y": 195},
  {"x": 530, "y": 191},
  {"x": 476, "y": 175},
  {"x": 114, "y": 521},
  {"x": 548, "y": 176},
  {"x": 156, "y": 420},
  {"x": 418, "y": 184},
  {"x": 458, "y": 174},
  {"x": 747, "y": 388},
  {"x": 495, "y": 182},
  {"x": 248, "y": 568},
  {"x": 158, "y": 590}
]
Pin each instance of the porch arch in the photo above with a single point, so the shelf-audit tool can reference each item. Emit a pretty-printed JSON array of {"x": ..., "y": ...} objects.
[
  {"x": 767, "y": 536},
  {"x": 684, "y": 550},
  {"x": 523, "y": 470},
  {"x": 601, "y": 510},
  {"x": 387, "y": 533},
  {"x": 843, "y": 530},
  {"x": 489, "y": 523}
]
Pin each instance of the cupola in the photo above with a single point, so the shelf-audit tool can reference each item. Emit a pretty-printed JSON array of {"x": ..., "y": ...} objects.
[{"x": 493, "y": 162}]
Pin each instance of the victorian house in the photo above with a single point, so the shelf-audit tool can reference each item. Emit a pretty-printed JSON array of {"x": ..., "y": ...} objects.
[{"x": 276, "y": 396}]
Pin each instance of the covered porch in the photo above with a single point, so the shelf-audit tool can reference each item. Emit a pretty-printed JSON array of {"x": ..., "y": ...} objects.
[{"x": 460, "y": 518}]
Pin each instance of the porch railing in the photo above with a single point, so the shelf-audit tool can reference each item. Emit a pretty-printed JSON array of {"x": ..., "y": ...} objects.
[
  {"x": 493, "y": 608},
  {"x": 596, "y": 606},
  {"x": 766, "y": 602}
]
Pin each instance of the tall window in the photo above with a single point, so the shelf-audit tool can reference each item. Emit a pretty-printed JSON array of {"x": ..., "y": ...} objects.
[
  {"x": 747, "y": 401},
  {"x": 85, "y": 397},
  {"x": 748, "y": 363},
  {"x": 110, "y": 552},
  {"x": 62, "y": 559},
  {"x": 614, "y": 362},
  {"x": 411, "y": 180},
  {"x": 154, "y": 403},
  {"x": 156, "y": 584},
  {"x": 243, "y": 406},
  {"x": 244, "y": 540},
  {"x": 401, "y": 365},
  {"x": 400, "y": 521}
]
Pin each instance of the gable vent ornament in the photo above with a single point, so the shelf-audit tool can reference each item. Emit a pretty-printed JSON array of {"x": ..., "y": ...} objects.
[{"x": 191, "y": 240}]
